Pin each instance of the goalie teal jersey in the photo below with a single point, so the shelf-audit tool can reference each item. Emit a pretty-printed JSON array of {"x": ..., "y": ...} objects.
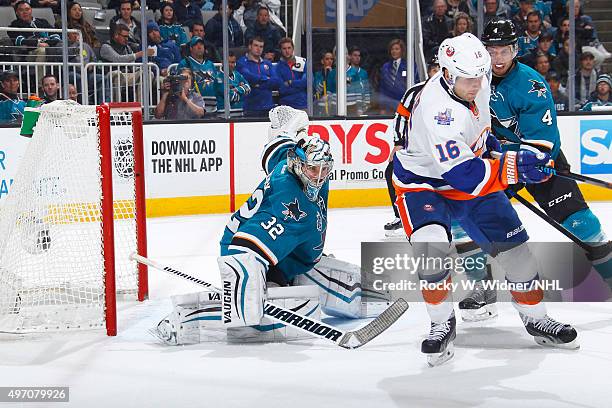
[
  {"x": 523, "y": 110},
  {"x": 278, "y": 222}
]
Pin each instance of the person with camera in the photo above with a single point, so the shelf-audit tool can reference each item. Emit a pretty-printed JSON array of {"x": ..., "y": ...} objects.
[
  {"x": 204, "y": 72},
  {"x": 178, "y": 101}
]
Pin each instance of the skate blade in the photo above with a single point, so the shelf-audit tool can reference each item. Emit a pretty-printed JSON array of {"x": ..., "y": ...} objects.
[
  {"x": 572, "y": 345},
  {"x": 398, "y": 233},
  {"x": 436, "y": 359},
  {"x": 477, "y": 315}
]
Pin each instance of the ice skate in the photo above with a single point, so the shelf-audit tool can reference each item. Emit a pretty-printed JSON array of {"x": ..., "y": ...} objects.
[
  {"x": 166, "y": 330},
  {"x": 549, "y": 332},
  {"x": 479, "y": 304},
  {"x": 438, "y": 346},
  {"x": 394, "y": 228}
]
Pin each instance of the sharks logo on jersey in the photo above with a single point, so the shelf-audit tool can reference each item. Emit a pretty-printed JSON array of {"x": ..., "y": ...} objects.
[
  {"x": 293, "y": 211},
  {"x": 509, "y": 123},
  {"x": 537, "y": 87}
]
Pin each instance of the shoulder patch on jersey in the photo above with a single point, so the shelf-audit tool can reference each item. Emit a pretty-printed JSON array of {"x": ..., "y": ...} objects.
[
  {"x": 444, "y": 118},
  {"x": 538, "y": 87},
  {"x": 292, "y": 210}
]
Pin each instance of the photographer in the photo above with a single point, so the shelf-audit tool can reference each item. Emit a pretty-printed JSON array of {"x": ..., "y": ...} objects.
[{"x": 178, "y": 101}]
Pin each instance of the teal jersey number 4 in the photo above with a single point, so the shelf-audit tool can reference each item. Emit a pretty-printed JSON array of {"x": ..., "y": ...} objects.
[{"x": 523, "y": 110}]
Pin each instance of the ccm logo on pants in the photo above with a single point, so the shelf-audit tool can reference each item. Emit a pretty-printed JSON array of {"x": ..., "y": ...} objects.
[{"x": 559, "y": 199}]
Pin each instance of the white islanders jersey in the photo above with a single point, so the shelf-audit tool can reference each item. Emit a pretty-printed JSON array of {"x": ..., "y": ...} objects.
[{"x": 446, "y": 138}]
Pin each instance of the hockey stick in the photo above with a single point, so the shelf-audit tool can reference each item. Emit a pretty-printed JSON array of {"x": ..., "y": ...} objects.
[
  {"x": 576, "y": 177},
  {"x": 348, "y": 339}
]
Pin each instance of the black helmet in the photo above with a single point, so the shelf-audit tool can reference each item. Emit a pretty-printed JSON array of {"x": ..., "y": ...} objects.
[{"x": 499, "y": 32}]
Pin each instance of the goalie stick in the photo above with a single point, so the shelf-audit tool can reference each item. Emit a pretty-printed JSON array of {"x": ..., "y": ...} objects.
[{"x": 348, "y": 339}]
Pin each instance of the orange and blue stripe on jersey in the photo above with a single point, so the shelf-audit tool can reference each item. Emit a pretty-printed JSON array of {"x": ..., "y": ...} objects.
[{"x": 472, "y": 178}]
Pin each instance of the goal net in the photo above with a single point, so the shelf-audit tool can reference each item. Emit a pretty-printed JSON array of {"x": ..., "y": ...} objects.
[{"x": 73, "y": 216}]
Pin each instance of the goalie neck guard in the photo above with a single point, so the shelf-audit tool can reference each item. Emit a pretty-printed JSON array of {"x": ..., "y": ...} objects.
[{"x": 311, "y": 162}]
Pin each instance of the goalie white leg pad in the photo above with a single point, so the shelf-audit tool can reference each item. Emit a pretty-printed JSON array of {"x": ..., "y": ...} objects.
[
  {"x": 340, "y": 290},
  {"x": 243, "y": 280},
  {"x": 196, "y": 317},
  {"x": 301, "y": 299}
]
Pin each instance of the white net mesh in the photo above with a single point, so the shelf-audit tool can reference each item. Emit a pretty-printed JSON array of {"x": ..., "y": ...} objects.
[{"x": 51, "y": 254}]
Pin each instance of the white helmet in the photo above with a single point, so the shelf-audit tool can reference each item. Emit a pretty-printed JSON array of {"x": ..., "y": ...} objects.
[{"x": 464, "y": 56}]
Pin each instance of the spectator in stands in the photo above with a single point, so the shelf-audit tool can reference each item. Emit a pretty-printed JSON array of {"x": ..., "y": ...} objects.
[
  {"x": 462, "y": 23},
  {"x": 204, "y": 72},
  {"x": 262, "y": 77},
  {"x": 73, "y": 93},
  {"x": 178, "y": 101},
  {"x": 456, "y": 6},
  {"x": 214, "y": 29},
  {"x": 358, "y": 84},
  {"x": 393, "y": 77},
  {"x": 50, "y": 88},
  {"x": 436, "y": 28},
  {"x": 585, "y": 30},
  {"x": 291, "y": 70},
  {"x": 529, "y": 38},
  {"x": 520, "y": 18},
  {"x": 125, "y": 17},
  {"x": 601, "y": 96},
  {"x": 238, "y": 88},
  {"x": 197, "y": 30},
  {"x": 561, "y": 62},
  {"x": 116, "y": 4},
  {"x": 558, "y": 93},
  {"x": 78, "y": 22},
  {"x": 586, "y": 78},
  {"x": 265, "y": 30},
  {"x": 246, "y": 13},
  {"x": 493, "y": 9},
  {"x": 542, "y": 65},
  {"x": 52, "y": 4},
  {"x": 562, "y": 33},
  {"x": 187, "y": 13},
  {"x": 102, "y": 88},
  {"x": 325, "y": 86},
  {"x": 168, "y": 26},
  {"x": 38, "y": 43},
  {"x": 545, "y": 46},
  {"x": 166, "y": 51},
  {"x": 119, "y": 50},
  {"x": 11, "y": 105}
]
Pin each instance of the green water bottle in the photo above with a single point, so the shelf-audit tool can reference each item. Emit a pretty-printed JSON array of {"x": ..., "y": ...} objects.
[{"x": 30, "y": 115}]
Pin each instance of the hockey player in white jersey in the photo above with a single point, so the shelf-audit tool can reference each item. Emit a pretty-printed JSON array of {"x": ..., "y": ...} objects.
[{"x": 445, "y": 173}]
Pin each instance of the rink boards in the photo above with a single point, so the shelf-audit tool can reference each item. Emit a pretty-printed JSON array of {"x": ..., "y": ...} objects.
[{"x": 199, "y": 168}]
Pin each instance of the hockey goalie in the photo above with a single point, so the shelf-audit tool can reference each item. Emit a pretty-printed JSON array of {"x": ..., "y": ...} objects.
[{"x": 272, "y": 249}]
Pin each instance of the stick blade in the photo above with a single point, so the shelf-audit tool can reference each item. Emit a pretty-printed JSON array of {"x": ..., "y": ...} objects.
[{"x": 357, "y": 338}]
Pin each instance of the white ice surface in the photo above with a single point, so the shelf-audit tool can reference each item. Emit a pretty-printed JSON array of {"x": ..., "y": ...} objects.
[{"x": 495, "y": 365}]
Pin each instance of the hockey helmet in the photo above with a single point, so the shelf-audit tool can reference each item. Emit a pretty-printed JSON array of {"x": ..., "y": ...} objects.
[
  {"x": 464, "y": 56},
  {"x": 311, "y": 161},
  {"x": 499, "y": 32}
]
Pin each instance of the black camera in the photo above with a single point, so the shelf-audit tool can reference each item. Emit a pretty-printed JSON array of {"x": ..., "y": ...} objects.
[{"x": 176, "y": 83}]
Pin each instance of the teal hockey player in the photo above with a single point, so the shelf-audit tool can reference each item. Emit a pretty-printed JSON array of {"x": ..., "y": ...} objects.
[{"x": 272, "y": 249}]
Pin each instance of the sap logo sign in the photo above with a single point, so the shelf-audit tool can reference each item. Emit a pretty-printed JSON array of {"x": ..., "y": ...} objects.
[
  {"x": 596, "y": 146},
  {"x": 355, "y": 10}
]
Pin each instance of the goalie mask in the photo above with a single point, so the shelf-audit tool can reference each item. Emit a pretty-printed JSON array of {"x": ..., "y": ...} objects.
[{"x": 311, "y": 162}]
